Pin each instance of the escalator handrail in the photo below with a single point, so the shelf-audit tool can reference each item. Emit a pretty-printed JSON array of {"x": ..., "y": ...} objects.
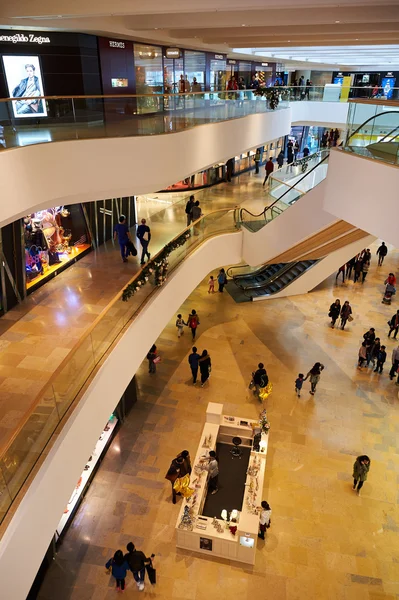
[
  {"x": 388, "y": 134},
  {"x": 286, "y": 192},
  {"x": 388, "y": 112},
  {"x": 269, "y": 280}
]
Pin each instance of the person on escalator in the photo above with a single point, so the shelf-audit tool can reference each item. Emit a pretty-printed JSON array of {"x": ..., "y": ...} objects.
[
  {"x": 189, "y": 206},
  {"x": 280, "y": 159},
  {"x": 306, "y": 152}
]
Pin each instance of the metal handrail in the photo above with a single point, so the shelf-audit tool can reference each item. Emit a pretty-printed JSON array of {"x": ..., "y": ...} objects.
[
  {"x": 269, "y": 280},
  {"x": 282, "y": 196},
  {"x": 388, "y": 112}
]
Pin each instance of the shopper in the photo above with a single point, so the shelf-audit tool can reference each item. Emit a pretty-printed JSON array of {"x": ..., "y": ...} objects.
[
  {"x": 336, "y": 136},
  {"x": 394, "y": 325},
  {"x": 196, "y": 214},
  {"x": 358, "y": 268},
  {"x": 121, "y": 231},
  {"x": 365, "y": 269},
  {"x": 193, "y": 362},
  {"x": 299, "y": 384},
  {"x": 119, "y": 567},
  {"x": 264, "y": 519},
  {"x": 269, "y": 168},
  {"x": 362, "y": 355},
  {"x": 306, "y": 152},
  {"x": 395, "y": 363},
  {"x": 349, "y": 266},
  {"x": 361, "y": 468},
  {"x": 341, "y": 270},
  {"x": 137, "y": 561},
  {"x": 189, "y": 205},
  {"x": 260, "y": 379},
  {"x": 381, "y": 358},
  {"x": 381, "y": 253},
  {"x": 346, "y": 312},
  {"x": 390, "y": 280},
  {"x": 213, "y": 470},
  {"x": 372, "y": 351},
  {"x": 174, "y": 471},
  {"x": 369, "y": 336},
  {"x": 186, "y": 466},
  {"x": 180, "y": 324},
  {"x": 211, "y": 283},
  {"x": 153, "y": 359},
  {"x": 296, "y": 149},
  {"x": 314, "y": 376},
  {"x": 335, "y": 309},
  {"x": 222, "y": 280},
  {"x": 229, "y": 169},
  {"x": 280, "y": 159},
  {"x": 290, "y": 159},
  {"x": 144, "y": 235},
  {"x": 193, "y": 322},
  {"x": 204, "y": 364}
]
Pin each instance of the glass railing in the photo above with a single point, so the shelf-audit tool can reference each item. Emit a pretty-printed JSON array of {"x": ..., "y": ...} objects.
[
  {"x": 287, "y": 185},
  {"x": 48, "y": 119},
  {"x": 43, "y": 119},
  {"x": 22, "y": 452},
  {"x": 378, "y": 136}
]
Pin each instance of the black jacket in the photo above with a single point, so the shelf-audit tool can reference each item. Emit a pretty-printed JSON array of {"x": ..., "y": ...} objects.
[
  {"x": 261, "y": 378},
  {"x": 334, "y": 310},
  {"x": 189, "y": 206},
  {"x": 382, "y": 250},
  {"x": 136, "y": 560}
]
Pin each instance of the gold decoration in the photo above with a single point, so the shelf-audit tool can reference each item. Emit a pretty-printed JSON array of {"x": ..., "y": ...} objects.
[
  {"x": 181, "y": 486},
  {"x": 265, "y": 392}
]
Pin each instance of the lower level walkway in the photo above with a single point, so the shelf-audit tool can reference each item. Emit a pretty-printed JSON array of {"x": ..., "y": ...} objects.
[
  {"x": 325, "y": 542},
  {"x": 38, "y": 334}
]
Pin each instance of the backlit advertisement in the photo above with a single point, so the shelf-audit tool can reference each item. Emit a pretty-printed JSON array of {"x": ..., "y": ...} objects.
[
  {"x": 388, "y": 84},
  {"x": 24, "y": 81}
]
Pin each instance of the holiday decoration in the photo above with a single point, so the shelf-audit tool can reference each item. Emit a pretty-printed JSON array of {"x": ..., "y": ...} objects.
[
  {"x": 186, "y": 520},
  {"x": 158, "y": 267},
  {"x": 265, "y": 392},
  {"x": 263, "y": 422},
  {"x": 271, "y": 94}
]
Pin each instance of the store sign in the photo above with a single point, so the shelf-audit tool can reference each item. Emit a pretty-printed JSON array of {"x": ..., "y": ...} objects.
[
  {"x": 232, "y": 62},
  {"x": 219, "y": 57},
  {"x": 113, "y": 44},
  {"x": 264, "y": 64},
  {"x": 173, "y": 53},
  {"x": 21, "y": 38}
]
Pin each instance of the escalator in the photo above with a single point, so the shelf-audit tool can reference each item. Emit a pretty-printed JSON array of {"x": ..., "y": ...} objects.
[{"x": 266, "y": 281}]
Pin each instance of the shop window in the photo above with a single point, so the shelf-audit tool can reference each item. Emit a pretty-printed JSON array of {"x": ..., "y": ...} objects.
[
  {"x": 217, "y": 75},
  {"x": 194, "y": 67},
  {"x": 149, "y": 80},
  {"x": 173, "y": 76},
  {"x": 53, "y": 238},
  {"x": 244, "y": 71}
]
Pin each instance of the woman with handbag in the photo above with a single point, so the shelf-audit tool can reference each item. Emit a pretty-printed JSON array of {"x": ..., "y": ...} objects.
[
  {"x": 153, "y": 359},
  {"x": 346, "y": 314},
  {"x": 175, "y": 470},
  {"x": 205, "y": 366},
  {"x": 314, "y": 376}
]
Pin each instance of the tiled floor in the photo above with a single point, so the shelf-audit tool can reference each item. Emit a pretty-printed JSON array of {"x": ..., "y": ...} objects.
[
  {"x": 325, "y": 543},
  {"x": 37, "y": 335}
]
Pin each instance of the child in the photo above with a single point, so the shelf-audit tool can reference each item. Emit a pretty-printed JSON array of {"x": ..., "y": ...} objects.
[
  {"x": 211, "y": 282},
  {"x": 298, "y": 384},
  {"x": 119, "y": 568},
  {"x": 362, "y": 355},
  {"x": 381, "y": 358},
  {"x": 180, "y": 324}
]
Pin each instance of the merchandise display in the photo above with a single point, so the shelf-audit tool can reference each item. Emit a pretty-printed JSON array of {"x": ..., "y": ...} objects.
[
  {"x": 88, "y": 471},
  {"x": 53, "y": 238},
  {"x": 223, "y": 431}
]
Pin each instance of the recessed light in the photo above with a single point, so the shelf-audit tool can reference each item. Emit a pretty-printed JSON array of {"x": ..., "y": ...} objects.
[
  {"x": 288, "y": 40},
  {"x": 356, "y": 39},
  {"x": 338, "y": 21},
  {"x": 243, "y": 25}
]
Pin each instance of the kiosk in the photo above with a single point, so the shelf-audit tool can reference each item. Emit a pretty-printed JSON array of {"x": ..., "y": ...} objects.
[{"x": 232, "y": 533}]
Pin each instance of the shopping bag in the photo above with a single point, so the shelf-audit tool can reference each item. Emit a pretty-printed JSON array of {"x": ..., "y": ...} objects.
[
  {"x": 152, "y": 573},
  {"x": 350, "y": 318},
  {"x": 157, "y": 359}
]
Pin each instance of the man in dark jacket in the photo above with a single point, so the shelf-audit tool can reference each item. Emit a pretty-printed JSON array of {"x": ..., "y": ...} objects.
[
  {"x": 189, "y": 206},
  {"x": 136, "y": 561},
  {"x": 193, "y": 362},
  {"x": 144, "y": 235},
  {"x": 260, "y": 378},
  {"x": 394, "y": 325},
  {"x": 269, "y": 168},
  {"x": 381, "y": 253}
]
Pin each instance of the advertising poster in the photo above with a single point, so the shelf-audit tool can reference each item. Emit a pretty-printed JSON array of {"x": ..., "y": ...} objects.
[
  {"x": 387, "y": 84},
  {"x": 24, "y": 80}
]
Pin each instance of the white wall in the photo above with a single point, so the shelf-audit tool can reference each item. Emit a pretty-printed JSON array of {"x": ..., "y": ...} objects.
[
  {"x": 329, "y": 114},
  {"x": 318, "y": 273},
  {"x": 363, "y": 192},
  {"x": 298, "y": 222},
  {"x": 76, "y": 171}
]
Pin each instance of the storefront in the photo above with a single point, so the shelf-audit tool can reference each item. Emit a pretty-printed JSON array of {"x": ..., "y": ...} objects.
[
  {"x": 48, "y": 64},
  {"x": 53, "y": 238},
  {"x": 216, "y": 67},
  {"x": 264, "y": 73}
]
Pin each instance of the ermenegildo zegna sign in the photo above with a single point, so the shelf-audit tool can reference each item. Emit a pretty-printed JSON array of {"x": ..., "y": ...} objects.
[{"x": 22, "y": 38}]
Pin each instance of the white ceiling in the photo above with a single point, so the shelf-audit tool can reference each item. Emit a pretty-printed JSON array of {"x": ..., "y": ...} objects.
[{"x": 349, "y": 34}]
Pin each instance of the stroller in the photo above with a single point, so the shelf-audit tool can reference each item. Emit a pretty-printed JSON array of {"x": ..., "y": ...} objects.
[{"x": 390, "y": 291}]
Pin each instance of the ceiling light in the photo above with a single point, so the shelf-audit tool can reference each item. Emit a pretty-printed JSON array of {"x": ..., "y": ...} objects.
[
  {"x": 288, "y": 40},
  {"x": 243, "y": 25},
  {"x": 338, "y": 21}
]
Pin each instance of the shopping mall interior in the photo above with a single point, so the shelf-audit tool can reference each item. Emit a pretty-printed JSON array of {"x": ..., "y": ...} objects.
[{"x": 198, "y": 308}]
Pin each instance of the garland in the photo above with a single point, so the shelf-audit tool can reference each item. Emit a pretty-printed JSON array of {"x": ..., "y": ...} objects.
[
  {"x": 303, "y": 162},
  {"x": 271, "y": 94},
  {"x": 158, "y": 266}
]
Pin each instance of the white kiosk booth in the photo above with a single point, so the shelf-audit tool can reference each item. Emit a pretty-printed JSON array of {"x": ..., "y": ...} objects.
[{"x": 216, "y": 535}]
